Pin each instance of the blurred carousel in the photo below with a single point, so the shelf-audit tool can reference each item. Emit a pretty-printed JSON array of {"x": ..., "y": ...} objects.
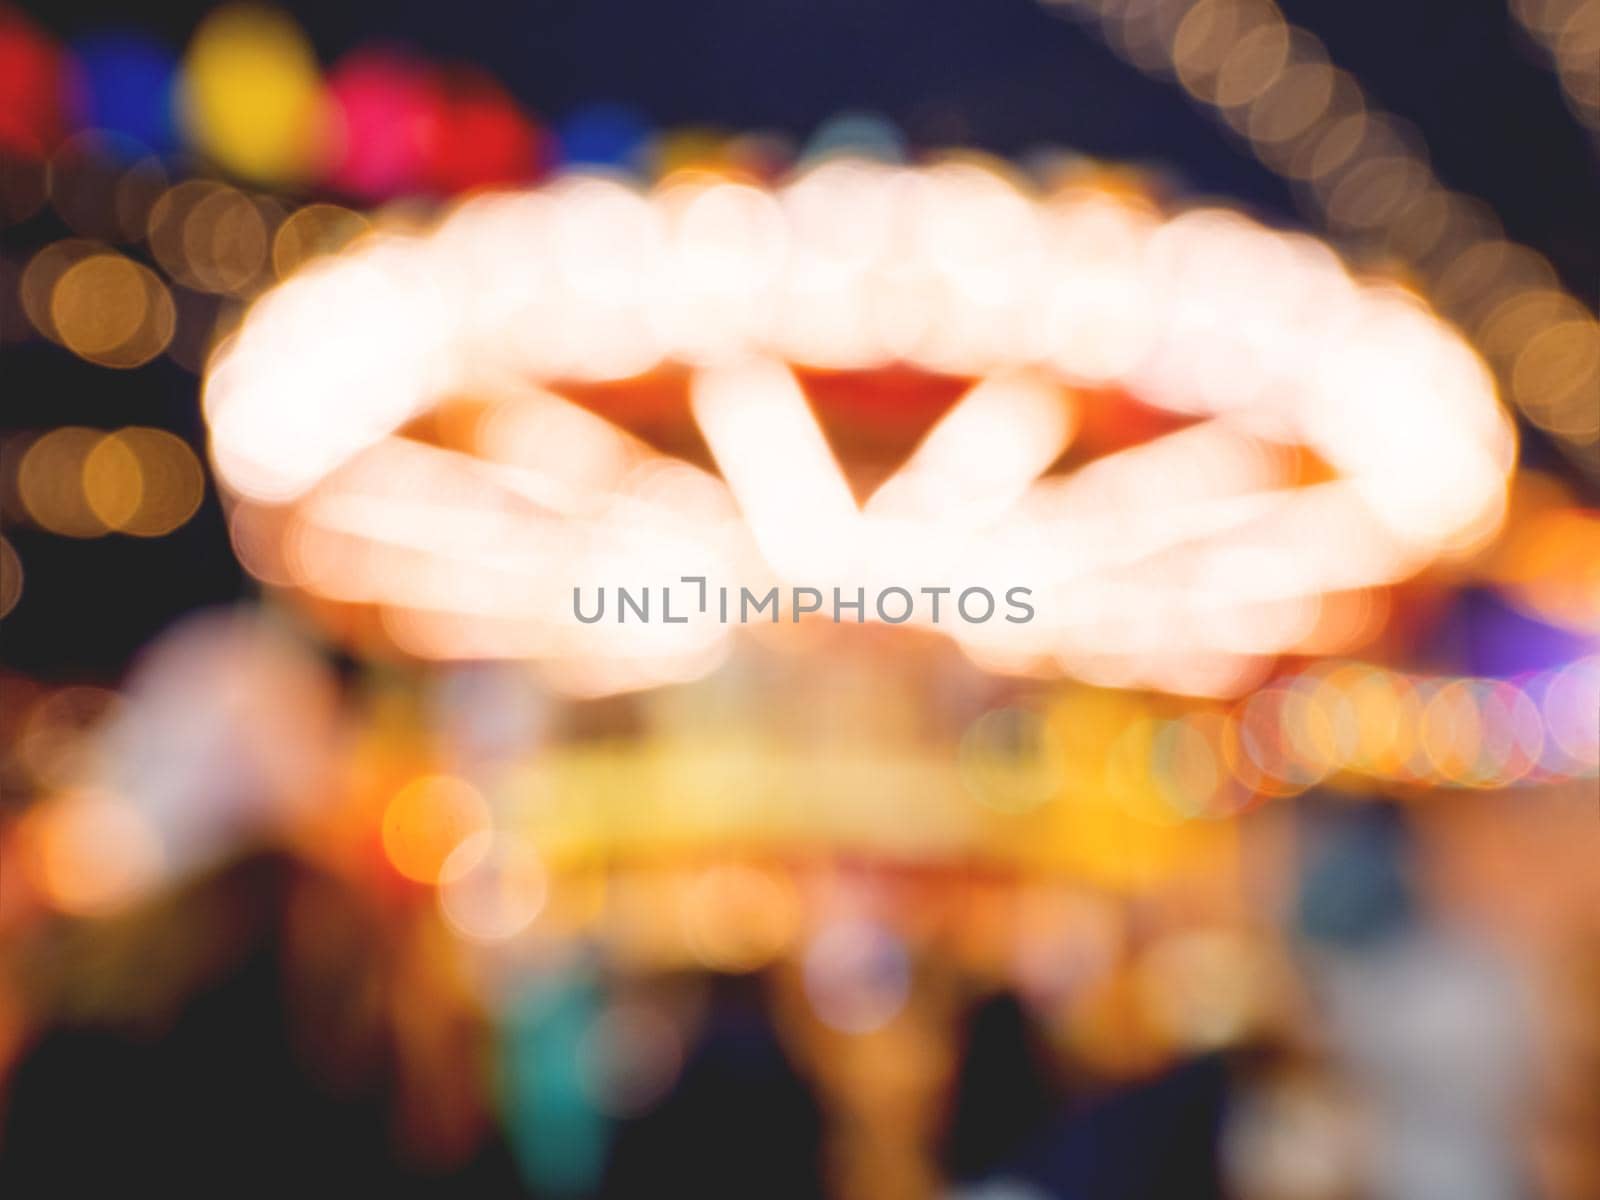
[{"x": 1264, "y": 508}]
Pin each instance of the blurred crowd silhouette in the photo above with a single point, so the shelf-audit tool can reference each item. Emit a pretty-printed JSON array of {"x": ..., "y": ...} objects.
[{"x": 244, "y": 1031}]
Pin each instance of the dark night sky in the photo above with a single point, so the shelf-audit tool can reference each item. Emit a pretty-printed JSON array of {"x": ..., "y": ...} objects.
[{"x": 1004, "y": 75}]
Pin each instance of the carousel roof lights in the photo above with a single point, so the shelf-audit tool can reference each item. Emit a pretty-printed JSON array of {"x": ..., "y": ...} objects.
[
  {"x": 1201, "y": 546},
  {"x": 1569, "y": 32}
]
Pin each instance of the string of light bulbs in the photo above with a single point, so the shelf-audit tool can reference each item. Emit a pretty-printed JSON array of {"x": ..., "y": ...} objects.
[{"x": 1367, "y": 175}]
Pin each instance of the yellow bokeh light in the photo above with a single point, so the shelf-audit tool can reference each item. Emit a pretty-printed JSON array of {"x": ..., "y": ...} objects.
[
  {"x": 50, "y": 482},
  {"x": 1336, "y": 144},
  {"x": 1011, "y": 760},
  {"x": 738, "y": 918},
  {"x": 98, "y": 304},
  {"x": 252, "y": 96},
  {"x": 1506, "y": 328},
  {"x": 10, "y": 578},
  {"x": 1296, "y": 100},
  {"x": 427, "y": 820},
  {"x": 164, "y": 227},
  {"x": 1253, "y": 63},
  {"x": 1450, "y": 732},
  {"x": 89, "y": 854},
  {"x": 225, "y": 241},
  {"x": 1557, "y": 377},
  {"x": 44, "y": 270},
  {"x": 312, "y": 231},
  {"x": 1187, "y": 774},
  {"x": 1372, "y": 193},
  {"x": 112, "y": 311},
  {"x": 113, "y": 484},
  {"x": 172, "y": 481},
  {"x": 1201, "y": 43},
  {"x": 1129, "y": 780},
  {"x": 83, "y": 482}
]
